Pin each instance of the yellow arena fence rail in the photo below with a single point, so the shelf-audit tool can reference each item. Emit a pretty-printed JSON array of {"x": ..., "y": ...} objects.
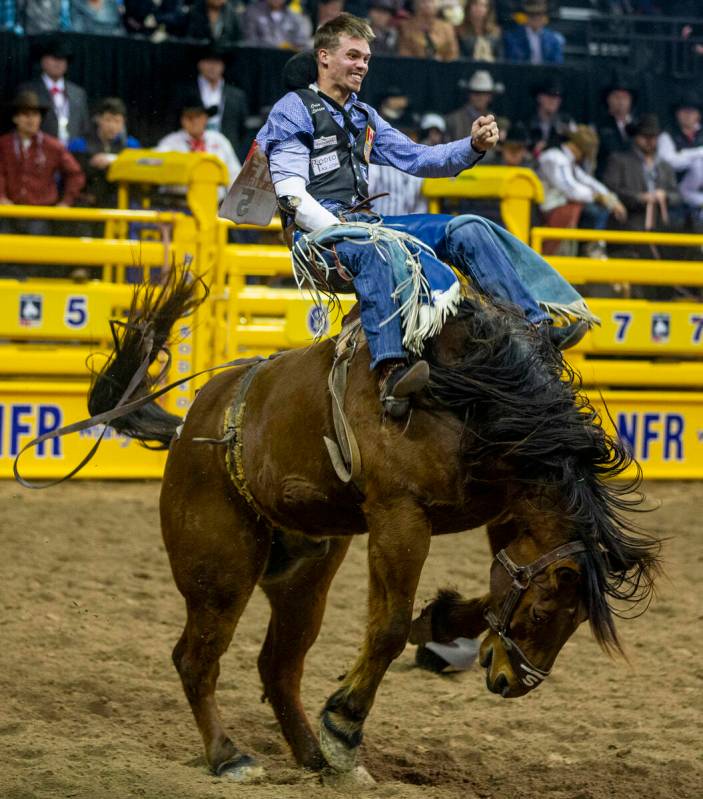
[{"x": 646, "y": 361}]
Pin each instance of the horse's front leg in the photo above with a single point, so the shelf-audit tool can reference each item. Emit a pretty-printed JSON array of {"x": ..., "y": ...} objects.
[{"x": 399, "y": 540}]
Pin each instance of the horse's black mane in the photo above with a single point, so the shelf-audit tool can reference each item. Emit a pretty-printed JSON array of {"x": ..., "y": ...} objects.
[{"x": 525, "y": 412}]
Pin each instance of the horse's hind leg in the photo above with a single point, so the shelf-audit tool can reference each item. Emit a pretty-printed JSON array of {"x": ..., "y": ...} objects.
[
  {"x": 217, "y": 557},
  {"x": 297, "y": 606}
]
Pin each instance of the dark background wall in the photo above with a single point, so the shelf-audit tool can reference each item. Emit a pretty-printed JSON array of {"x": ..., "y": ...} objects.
[{"x": 146, "y": 75}]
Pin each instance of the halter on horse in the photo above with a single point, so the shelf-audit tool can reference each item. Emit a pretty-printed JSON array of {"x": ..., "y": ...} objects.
[{"x": 502, "y": 437}]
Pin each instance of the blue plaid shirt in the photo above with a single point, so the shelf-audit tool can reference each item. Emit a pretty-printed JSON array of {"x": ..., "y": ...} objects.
[{"x": 286, "y": 138}]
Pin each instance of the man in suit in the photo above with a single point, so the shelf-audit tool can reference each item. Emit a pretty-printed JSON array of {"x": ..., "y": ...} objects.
[
  {"x": 548, "y": 125},
  {"x": 228, "y": 102},
  {"x": 619, "y": 99},
  {"x": 645, "y": 183},
  {"x": 534, "y": 42},
  {"x": 68, "y": 116}
]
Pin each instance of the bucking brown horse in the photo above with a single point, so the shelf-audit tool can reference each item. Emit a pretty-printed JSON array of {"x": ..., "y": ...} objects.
[{"x": 503, "y": 437}]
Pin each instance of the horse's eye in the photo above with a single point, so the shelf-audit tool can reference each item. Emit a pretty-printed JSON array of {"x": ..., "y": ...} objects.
[{"x": 537, "y": 616}]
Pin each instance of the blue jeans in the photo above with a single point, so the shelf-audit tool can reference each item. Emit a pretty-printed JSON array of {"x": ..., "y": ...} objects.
[{"x": 473, "y": 251}]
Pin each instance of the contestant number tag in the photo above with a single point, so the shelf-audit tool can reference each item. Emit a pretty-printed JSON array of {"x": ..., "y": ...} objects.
[{"x": 324, "y": 163}]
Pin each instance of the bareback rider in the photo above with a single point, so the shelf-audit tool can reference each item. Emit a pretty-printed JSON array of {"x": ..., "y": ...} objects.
[{"x": 319, "y": 142}]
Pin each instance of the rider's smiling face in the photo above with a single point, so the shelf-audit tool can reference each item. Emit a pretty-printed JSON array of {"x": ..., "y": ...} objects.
[{"x": 347, "y": 65}]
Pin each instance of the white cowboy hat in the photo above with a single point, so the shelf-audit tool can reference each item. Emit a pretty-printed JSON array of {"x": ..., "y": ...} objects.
[
  {"x": 481, "y": 81},
  {"x": 433, "y": 121}
]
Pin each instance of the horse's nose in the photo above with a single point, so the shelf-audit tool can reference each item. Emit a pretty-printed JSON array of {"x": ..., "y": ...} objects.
[
  {"x": 486, "y": 658},
  {"x": 501, "y": 685}
]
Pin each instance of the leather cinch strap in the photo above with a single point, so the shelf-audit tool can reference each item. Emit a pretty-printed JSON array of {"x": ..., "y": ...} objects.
[{"x": 344, "y": 453}]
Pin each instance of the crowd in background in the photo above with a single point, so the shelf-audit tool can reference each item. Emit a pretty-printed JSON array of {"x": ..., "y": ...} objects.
[
  {"x": 625, "y": 169},
  {"x": 442, "y": 29}
]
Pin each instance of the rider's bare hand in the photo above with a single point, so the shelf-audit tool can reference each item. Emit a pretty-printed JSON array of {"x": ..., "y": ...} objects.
[{"x": 484, "y": 133}]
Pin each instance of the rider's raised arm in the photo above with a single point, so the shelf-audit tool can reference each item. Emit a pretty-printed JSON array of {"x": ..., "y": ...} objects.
[{"x": 393, "y": 148}]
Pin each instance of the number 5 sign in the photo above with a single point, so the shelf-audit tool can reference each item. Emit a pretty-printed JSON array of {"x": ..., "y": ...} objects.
[
  {"x": 251, "y": 199},
  {"x": 75, "y": 314}
]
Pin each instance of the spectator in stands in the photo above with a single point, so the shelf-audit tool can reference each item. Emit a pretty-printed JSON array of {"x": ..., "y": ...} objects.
[
  {"x": 534, "y": 42},
  {"x": 515, "y": 149},
  {"x": 433, "y": 129},
  {"x": 68, "y": 115},
  {"x": 568, "y": 188},
  {"x": 270, "y": 23},
  {"x": 99, "y": 149},
  {"x": 194, "y": 137},
  {"x": 645, "y": 182},
  {"x": 682, "y": 145},
  {"x": 380, "y": 18},
  {"x": 691, "y": 188},
  {"x": 229, "y": 104},
  {"x": 156, "y": 19},
  {"x": 394, "y": 107},
  {"x": 404, "y": 191},
  {"x": 480, "y": 37},
  {"x": 216, "y": 20},
  {"x": 42, "y": 16},
  {"x": 619, "y": 98},
  {"x": 481, "y": 91},
  {"x": 32, "y": 163},
  {"x": 424, "y": 35},
  {"x": 548, "y": 125},
  {"x": 328, "y": 9},
  {"x": 101, "y": 17}
]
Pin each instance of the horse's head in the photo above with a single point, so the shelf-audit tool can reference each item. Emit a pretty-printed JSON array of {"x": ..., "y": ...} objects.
[
  {"x": 559, "y": 561},
  {"x": 536, "y": 603},
  {"x": 567, "y": 549}
]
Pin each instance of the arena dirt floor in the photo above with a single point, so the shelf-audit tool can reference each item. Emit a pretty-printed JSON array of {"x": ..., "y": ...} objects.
[{"x": 92, "y": 707}]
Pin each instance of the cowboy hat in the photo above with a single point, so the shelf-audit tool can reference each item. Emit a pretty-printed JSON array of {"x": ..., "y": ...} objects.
[
  {"x": 646, "y": 125},
  {"x": 481, "y": 81},
  {"x": 517, "y": 136},
  {"x": 215, "y": 52},
  {"x": 432, "y": 120},
  {"x": 54, "y": 46},
  {"x": 27, "y": 101},
  {"x": 618, "y": 83},
  {"x": 688, "y": 99},
  {"x": 192, "y": 102},
  {"x": 550, "y": 86}
]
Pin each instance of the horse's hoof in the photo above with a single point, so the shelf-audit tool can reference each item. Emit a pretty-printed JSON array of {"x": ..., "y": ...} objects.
[
  {"x": 241, "y": 769},
  {"x": 340, "y": 756},
  {"x": 358, "y": 777}
]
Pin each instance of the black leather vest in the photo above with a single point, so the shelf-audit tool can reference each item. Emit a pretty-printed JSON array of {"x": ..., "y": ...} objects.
[{"x": 338, "y": 167}]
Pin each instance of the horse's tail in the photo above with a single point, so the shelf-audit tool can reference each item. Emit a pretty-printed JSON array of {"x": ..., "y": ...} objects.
[{"x": 153, "y": 312}]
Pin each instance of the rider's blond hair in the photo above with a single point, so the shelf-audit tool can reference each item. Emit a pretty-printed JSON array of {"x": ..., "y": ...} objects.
[{"x": 327, "y": 36}]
